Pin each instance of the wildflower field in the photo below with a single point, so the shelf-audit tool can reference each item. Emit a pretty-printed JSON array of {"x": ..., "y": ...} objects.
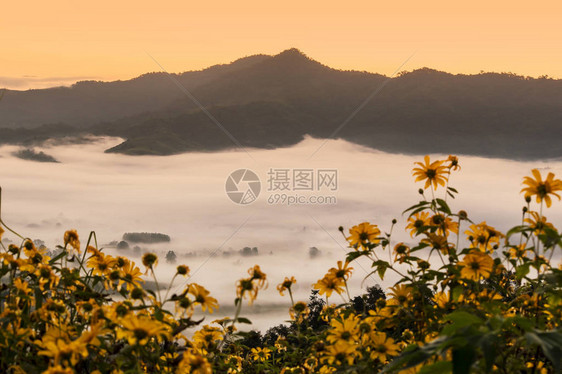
[{"x": 493, "y": 305}]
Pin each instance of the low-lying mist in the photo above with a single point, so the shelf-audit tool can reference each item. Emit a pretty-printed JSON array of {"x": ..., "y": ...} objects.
[{"x": 184, "y": 197}]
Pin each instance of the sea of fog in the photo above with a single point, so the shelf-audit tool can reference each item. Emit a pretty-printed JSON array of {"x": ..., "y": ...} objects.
[{"x": 184, "y": 196}]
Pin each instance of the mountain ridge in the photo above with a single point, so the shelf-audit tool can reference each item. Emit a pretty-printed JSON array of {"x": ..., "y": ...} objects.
[{"x": 270, "y": 101}]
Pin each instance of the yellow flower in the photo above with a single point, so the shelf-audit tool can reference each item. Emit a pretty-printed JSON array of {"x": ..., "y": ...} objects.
[
  {"x": 401, "y": 251},
  {"x": 71, "y": 238},
  {"x": 538, "y": 223},
  {"x": 441, "y": 299},
  {"x": 542, "y": 189},
  {"x": 201, "y": 295},
  {"x": 540, "y": 365},
  {"x": 299, "y": 311},
  {"x": 519, "y": 251},
  {"x": 483, "y": 236},
  {"x": 340, "y": 352},
  {"x": 408, "y": 335},
  {"x": 46, "y": 276},
  {"x": 150, "y": 260},
  {"x": 235, "y": 363},
  {"x": 31, "y": 251},
  {"x": 346, "y": 330},
  {"x": 363, "y": 235},
  {"x": 57, "y": 369},
  {"x": 329, "y": 312},
  {"x": 194, "y": 363},
  {"x": 258, "y": 275},
  {"x": 382, "y": 346},
  {"x": 343, "y": 271},
  {"x": 434, "y": 173},
  {"x": 93, "y": 250},
  {"x": 445, "y": 225},
  {"x": 184, "y": 306},
  {"x": 139, "y": 329},
  {"x": 58, "y": 345},
  {"x": 310, "y": 363},
  {"x": 416, "y": 221},
  {"x": 402, "y": 294},
  {"x": 245, "y": 287},
  {"x": 207, "y": 338},
  {"x": 327, "y": 370},
  {"x": 121, "y": 261},
  {"x": 487, "y": 295},
  {"x": 182, "y": 270},
  {"x": 281, "y": 344},
  {"x": 292, "y": 370},
  {"x": 286, "y": 285},
  {"x": 329, "y": 284},
  {"x": 1, "y": 232},
  {"x": 131, "y": 276},
  {"x": 453, "y": 162},
  {"x": 22, "y": 286},
  {"x": 102, "y": 264},
  {"x": 476, "y": 265},
  {"x": 438, "y": 242},
  {"x": 260, "y": 354}
]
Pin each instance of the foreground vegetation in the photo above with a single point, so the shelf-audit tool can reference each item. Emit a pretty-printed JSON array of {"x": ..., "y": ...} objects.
[{"x": 493, "y": 305}]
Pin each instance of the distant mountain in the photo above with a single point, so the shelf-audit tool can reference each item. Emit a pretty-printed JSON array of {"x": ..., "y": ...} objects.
[
  {"x": 271, "y": 101},
  {"x": 32, "y": 155}
]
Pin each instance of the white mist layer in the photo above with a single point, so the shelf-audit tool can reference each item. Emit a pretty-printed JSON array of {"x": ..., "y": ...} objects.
[{"x": 184, "y": 196}]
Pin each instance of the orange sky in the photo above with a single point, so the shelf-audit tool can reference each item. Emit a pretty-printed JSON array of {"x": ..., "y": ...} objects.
[{"x": 43, "y": 43}]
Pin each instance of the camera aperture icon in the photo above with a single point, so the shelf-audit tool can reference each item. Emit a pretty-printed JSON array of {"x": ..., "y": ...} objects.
[{"x": 243, "y": 186}]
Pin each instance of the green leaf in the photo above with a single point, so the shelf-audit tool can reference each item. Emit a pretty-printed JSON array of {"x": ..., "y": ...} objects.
[
  {"x": 460, "y": 319},
  {"x": 421, "y": 209},
  {"x": 421, "y": 204},
  {"x": 443, "y": 206},
  {"x": 517, "y": 229},
  {"x": 522, "y": 270},
  {"x": 57, "y": 257},
  {"x": 550, "y": 237},
  {"x": 381, "y": 267},
  {"x": 353, "y": 255},
  {"x": 463, "y": 318},
  {"x": 418, "y": 247},
  {"x": 440, "y": 367},
  {"x": 243, "y": 320}
]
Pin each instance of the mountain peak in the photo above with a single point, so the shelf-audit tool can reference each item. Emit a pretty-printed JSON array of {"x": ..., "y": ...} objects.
[
  {"x": 294, "y": 52},
  {"x": 295, "y": 59}
]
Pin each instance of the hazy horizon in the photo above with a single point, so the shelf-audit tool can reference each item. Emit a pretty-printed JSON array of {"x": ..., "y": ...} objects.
[{"x": 32, "y": 82}]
